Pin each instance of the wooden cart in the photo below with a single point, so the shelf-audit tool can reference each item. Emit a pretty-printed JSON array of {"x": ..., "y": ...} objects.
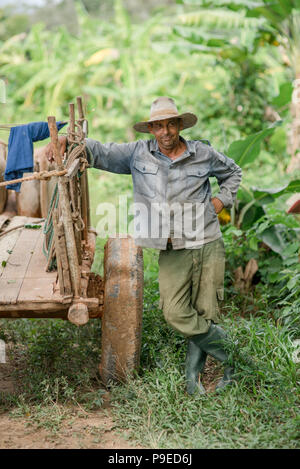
[{"x": 45, "y": 265}]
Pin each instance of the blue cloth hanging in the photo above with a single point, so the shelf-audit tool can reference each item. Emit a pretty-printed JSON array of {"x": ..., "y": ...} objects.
[{"x": 20, "y": 149}]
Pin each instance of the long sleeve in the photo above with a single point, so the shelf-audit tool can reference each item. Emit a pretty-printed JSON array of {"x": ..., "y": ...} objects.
[
  {"x": 112, "y": 157},
  {"x": 228, "y": 175}
]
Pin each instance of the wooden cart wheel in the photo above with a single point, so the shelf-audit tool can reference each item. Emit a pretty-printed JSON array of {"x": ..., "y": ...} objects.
[{"x": 123, "y": 306}]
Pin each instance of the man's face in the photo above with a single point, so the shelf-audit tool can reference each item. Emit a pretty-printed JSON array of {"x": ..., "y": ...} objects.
[{"x": 166, "y": 132}]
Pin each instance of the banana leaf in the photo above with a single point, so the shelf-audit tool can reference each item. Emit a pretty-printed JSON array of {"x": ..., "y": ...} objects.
[
  {"x": 266, "y": 196},
  {"x": 285, "y": 95},
  {"x": 274, "y": 240},
  {"x": 245, "y": 151},
  {"x": 255, "y": 198},
  {"x": 234, "y": 4}
]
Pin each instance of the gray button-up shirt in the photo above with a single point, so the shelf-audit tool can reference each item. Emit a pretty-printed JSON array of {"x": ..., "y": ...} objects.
[{"x": 172, "y": 197}]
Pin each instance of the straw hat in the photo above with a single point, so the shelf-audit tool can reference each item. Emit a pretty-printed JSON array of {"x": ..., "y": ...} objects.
[{"x": 165, "y": 108}]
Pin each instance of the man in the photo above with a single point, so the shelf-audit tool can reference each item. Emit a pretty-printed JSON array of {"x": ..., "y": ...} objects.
[{"x": 169, "y": 171}]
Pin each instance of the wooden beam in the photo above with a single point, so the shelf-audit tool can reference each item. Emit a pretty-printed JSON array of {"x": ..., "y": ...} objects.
[
  {"x": 87, "y": 263},
  {"x": 85, "y": 201},
  {"x": 73, "y": 169},
  {"x": 57, "y": 252},
  {"x": 62, "y": 249},
  {"x": 80, "y": 107},
  {"x": 73, "y": 188},
  {"x": 54, "y": 141},
  {"x": 84, "y": 205},
  {"x": 60, "y": 313},
  {"x": 78, "y": 314},
  {"x": 64, "y": 202},
  {"x": 83, "y": 121},
  {"x": 72, "y": 119},
  {"x": 52, "y": 303}
]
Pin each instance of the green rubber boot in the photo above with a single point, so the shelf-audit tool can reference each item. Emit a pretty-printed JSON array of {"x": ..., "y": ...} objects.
[
  {"x": 194, "y": 365},
  {"x": 211, "y": 343}
]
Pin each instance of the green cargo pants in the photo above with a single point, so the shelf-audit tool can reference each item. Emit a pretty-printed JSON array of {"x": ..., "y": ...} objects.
[{"x": 191, "y": 281}]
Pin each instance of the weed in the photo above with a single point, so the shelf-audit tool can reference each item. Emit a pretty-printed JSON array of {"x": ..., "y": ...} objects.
[{"x": 258, "y": 411}]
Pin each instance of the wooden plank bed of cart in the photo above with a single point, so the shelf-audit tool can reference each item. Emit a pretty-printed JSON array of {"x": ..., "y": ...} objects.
[
  {"x": 45, "y": 269},
  {"x": 27, "y": 290}
]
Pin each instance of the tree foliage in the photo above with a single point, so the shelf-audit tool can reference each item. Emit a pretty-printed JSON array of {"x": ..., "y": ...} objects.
[{"x": 214, "y": 64}]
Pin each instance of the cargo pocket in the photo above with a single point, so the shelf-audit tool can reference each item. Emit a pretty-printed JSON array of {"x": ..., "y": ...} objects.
[
  {"x": 161, "y": 303},
  {"x": 220, "y": 294}
]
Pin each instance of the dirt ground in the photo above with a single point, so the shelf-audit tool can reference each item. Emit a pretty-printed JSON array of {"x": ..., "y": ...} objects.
[
  {"x": 77, "y": 429},
  {"x": 91, "y": 431}
]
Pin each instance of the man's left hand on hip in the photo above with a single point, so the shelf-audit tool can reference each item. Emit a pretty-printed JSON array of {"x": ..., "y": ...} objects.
[{"x": 218, "y": 205}]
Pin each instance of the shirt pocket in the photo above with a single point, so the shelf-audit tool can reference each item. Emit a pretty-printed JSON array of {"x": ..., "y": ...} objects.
[
  {"x": 197, "y": 183},
  {"x": 145, "y": 178}
]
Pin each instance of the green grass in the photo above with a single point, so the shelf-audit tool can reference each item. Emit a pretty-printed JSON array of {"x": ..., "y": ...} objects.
[
  {"x": 54, "y": 364},
  {"x": 258, "y": 411},
  {"x": 56, "y": 368}
]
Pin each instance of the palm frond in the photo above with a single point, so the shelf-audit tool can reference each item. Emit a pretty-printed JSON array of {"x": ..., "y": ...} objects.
[
  {"x": 233, "y": 4},
  {"x": 219, "y": 19}
]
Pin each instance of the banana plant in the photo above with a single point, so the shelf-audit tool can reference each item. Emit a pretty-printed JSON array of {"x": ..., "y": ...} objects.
[
  {"x": 251, "y": 202},
  {"x": 110, "y": 63},
  {"x": 283, "y": 16},
  {"x": 222, "y": 27}
]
